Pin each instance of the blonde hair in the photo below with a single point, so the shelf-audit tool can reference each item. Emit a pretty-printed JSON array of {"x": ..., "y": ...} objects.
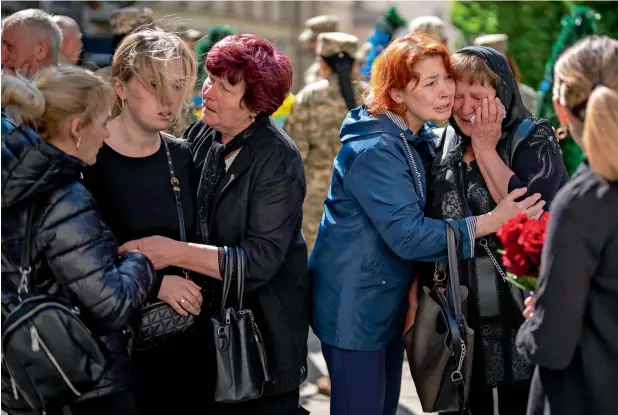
[
  {"x": 581, "y": 67},
  {"x": 57, "y": 95},
  {"x": 144, "y": 55},
  {"x": 600, "y": 132},
  {"x": 469, "y": 66}
]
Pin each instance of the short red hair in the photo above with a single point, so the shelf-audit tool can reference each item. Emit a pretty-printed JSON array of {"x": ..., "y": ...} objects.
[
  {"x": 394, "y": 69},
  {"x": 266, "y": 70}
]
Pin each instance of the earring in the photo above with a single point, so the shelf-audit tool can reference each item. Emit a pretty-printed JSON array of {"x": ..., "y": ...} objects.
[
  {"x": 562, "y": 132},
  {"x": 79, "y": 140}
]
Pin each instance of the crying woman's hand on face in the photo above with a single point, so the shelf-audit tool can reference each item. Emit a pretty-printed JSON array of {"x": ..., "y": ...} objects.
[{"x": 487, "y": 125}]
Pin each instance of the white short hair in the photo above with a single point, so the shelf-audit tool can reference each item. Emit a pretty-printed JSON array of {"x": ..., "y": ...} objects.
[{"x": 42, "y": 20}]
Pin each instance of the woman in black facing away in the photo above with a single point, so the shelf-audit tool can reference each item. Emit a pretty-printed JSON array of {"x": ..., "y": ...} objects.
[
  {"x": 572, "y": 329},
  {"x": 250, "y": 195},
  {"x": 153, "y": 73}
]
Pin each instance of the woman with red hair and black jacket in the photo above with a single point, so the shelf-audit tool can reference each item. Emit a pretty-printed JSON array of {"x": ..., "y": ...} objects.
[{"x": 250, "y": 195}]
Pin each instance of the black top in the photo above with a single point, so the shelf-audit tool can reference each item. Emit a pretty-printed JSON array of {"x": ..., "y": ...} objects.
[
  {"x": 573, "y": 333},
  {"x": 71, "y": 247},
  {"x": 258, "y": 206},
  {"x": 135, "y": 196}
]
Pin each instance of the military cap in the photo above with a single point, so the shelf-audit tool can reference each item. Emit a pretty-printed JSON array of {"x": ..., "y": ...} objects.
[
  {"x": 127, "y": 19},
  {"x": 500, "y": 42},
  {"x": 431, "y": 25},
  {"x": 317, "y": 25},
  {"x": 333, "y": 43},
  {"x": 187, "y": 34}
]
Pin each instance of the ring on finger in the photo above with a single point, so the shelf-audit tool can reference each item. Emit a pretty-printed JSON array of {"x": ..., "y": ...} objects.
[{"x": 183, "y": 300}]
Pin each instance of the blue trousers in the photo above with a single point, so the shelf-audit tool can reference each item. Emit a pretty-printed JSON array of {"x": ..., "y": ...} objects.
[{"x": 364, "y": 383}]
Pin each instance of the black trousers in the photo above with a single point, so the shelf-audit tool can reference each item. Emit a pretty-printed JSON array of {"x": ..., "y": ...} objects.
[
  {"x": 116, "y": 403},
  {"x": 280, "y": 404},
  {"x": 512, "y": 399}
]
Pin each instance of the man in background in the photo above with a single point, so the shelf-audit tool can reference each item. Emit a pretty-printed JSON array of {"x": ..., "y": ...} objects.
[
  {"x": 71, "y": 48},
  {"x": 31, "y": 40}
]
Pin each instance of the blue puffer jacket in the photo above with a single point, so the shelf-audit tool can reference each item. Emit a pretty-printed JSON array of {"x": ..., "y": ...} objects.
[
  {"x": 74, "y": 253},
  {"x": 372, "y": 230}
]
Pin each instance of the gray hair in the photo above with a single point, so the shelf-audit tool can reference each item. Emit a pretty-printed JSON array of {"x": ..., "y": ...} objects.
[{"x": 43, "y": 21}]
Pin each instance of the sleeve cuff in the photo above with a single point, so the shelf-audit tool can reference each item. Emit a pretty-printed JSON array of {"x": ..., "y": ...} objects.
[{"x": 471, "y": 228}]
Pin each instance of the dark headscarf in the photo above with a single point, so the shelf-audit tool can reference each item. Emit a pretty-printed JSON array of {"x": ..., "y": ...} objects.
[
  {"x": 342, "y": 64},
  {"x": 507, "y": 90}
]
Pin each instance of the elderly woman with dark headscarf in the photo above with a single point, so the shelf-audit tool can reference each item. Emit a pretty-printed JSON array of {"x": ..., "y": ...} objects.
[
  {"x": 492, "y": 146},
  {"x": 316, "y": 118}
]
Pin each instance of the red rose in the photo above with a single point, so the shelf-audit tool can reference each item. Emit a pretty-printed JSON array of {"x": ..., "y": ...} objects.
[
  {"x": 516, "y": 261},
  {"x": 531, "y": 240},
  {"x": 509, "y": 231}
]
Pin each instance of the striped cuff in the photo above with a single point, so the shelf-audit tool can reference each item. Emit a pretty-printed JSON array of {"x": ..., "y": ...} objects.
[{"x": 471, "y": 224}]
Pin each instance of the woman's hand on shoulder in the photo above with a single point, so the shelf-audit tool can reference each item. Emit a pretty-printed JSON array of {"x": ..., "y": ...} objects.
[
  {"x": 487, "y": 126},
  {"x": 158, "y": 249}
]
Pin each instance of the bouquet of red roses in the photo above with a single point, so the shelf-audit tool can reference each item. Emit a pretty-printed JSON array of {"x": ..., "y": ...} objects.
[{"x": 522, "y": 240}]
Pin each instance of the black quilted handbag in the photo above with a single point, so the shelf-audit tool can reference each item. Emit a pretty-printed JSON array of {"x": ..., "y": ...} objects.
[{"x": 159, "y": 322}]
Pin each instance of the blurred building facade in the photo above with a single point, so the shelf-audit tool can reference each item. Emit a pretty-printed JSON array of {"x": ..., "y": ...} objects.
[{"x": 279, "y": 21}]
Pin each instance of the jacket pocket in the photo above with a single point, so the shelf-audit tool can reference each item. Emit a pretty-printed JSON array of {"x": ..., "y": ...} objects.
[{"x": 377, "y": 299}]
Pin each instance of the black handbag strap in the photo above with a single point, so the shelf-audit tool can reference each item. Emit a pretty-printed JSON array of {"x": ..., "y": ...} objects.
[
  {"x": 235, "y": 260},
  {"x": 240, "y": 275},
  {"x": 227, "y": 277},
  {"x": 25, "y": 269},
  {"x": 456, "y": 322},
  {"x": 175, "y": 189}
]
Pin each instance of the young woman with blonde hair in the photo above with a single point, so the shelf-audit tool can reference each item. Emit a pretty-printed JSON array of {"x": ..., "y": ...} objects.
[
  {"x": 153, "y": 74},
  {"x": 61, "y": 124},
  {"x": 571, "y": 331}
]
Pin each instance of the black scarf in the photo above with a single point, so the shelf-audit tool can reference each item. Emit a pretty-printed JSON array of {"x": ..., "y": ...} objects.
[
  {"x": 507, "y": 90},
  {"x": 342, "y": 64},
  {"x": 213, "y": 171}
]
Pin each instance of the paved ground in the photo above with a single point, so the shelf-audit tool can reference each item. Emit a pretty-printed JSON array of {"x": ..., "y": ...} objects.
[{"x": 319, "y": 404}]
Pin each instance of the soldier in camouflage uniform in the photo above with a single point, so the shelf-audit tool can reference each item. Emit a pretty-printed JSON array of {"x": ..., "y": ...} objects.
[
  {"x": 313, "y": 27},
  {"x": 315, "y": 121}
]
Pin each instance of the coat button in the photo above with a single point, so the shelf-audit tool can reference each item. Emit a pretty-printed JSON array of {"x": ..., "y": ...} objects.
[{"x": 383, "y": 282}]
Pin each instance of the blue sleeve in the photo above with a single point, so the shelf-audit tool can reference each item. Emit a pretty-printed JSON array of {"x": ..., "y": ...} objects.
[{"x": 381, "y": 182}]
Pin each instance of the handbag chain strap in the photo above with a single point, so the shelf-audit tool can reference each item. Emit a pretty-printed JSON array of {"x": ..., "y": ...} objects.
[
  {"x": 176, "y": 190},
  {"x": 483, "y": 243}
]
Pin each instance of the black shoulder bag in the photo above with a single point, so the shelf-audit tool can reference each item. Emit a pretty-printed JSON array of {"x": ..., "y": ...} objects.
[
  {"x": 159, "y": 322},
  {"x": 242, "y": 364},
  {"x": 440, "y": 344},
  {"x": 49, "y": 353}
]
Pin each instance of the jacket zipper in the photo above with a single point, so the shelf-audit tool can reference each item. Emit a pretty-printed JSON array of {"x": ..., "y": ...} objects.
[{"x": 416, "y": 171}]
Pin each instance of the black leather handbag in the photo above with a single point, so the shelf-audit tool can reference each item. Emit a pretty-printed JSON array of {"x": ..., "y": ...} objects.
[
  {"x": 440, "y": 344},
  {"x": 48, "y": 352},
  {"x": 159, "y": 322},
  {"x": 242, "y": 364}
]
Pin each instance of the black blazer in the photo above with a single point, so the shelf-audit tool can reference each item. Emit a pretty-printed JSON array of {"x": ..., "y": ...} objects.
[
  {"x": 573, "y": 334},
  {"x": 258, "y": 205}
]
